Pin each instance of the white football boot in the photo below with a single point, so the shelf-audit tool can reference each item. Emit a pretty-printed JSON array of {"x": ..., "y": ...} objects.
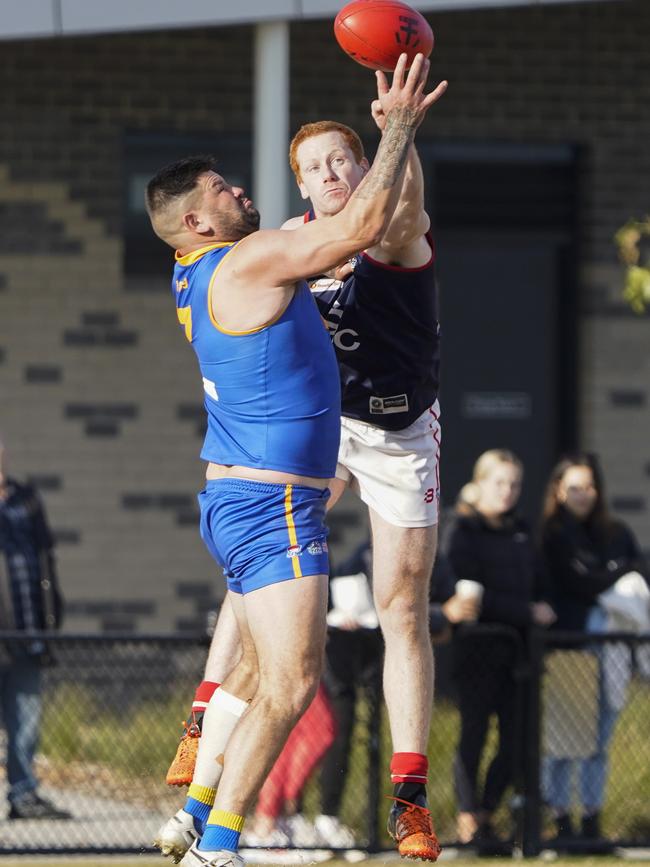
[
  {"x": 332, "y": 832},
  {"x": 177, "y": 835},
  {"x": 194, "y": 857}
]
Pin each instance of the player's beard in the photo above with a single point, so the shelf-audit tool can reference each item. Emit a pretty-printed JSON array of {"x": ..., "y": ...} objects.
[
  {"x": 245, "y": 221},
  {"x": 252, "y": 218}
]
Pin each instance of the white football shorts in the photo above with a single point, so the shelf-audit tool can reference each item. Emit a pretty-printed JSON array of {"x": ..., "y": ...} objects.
[{"x": 396, "y": 473}]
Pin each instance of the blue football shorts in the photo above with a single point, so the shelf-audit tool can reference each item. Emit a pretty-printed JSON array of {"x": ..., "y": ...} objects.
[{"x": 262, "y": 533}]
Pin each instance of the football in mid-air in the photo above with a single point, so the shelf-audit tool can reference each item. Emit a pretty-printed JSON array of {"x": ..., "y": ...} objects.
[{"x": 376, "y": 32}]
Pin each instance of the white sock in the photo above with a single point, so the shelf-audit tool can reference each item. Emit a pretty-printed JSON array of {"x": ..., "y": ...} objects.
[{"x": 219, "y": 721}]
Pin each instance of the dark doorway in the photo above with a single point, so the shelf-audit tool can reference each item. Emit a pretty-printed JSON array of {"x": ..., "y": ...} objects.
[{"x": 504, "y": 223}]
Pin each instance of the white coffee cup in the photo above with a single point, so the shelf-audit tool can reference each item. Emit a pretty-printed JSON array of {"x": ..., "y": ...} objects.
[{"x": 470, "y": 589}]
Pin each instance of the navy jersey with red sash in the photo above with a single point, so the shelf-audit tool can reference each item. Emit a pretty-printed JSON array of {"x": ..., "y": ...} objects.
[{"x": 383, "y": 321}]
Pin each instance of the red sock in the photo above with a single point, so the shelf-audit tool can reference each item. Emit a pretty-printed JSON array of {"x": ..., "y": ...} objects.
[
  {"x": 203, "y": 695},
  {"x": 409, "y": 768}
]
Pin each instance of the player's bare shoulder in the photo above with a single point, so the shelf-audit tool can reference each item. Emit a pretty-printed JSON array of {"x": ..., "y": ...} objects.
[
  {"x": 293, "y": 223},
  {"x": 243, "y": 294}
]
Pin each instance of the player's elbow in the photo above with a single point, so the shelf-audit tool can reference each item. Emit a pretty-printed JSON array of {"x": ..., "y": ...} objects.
[
  {"x": 370, "y": 240},
  {"x": 370, "y": 232},
  {"x": 360, "y": 230}
]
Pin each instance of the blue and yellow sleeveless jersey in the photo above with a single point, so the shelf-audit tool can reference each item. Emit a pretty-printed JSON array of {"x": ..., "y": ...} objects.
[{"x": 272, "y": 394}]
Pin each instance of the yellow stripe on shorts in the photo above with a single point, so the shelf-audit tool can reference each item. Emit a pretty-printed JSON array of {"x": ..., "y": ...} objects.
[{"x": 291, "y": 527}]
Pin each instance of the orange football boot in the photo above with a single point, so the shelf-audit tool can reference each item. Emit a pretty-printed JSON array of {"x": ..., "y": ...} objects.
[
  {"x": 411, "y": 827},
  {"x": 181, "y": 770}
]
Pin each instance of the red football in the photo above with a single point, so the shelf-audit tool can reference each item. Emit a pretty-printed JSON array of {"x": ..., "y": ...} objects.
[{"x": 376, "y": 32}]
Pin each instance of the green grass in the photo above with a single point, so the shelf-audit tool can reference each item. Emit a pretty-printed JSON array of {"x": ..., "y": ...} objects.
[
  {"x": 140, "y": 745},
  {"x": 626, "y": 813},
  {"x": 131, "y": 753}
]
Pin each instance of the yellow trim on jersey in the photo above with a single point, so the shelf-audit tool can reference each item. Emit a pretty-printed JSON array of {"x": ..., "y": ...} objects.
[
  {"x": 195, "y": 255},
  {"x": 225, "y": 330},
  {"x": 291, "y": 527},
  {"x": 185, "y": 318}
]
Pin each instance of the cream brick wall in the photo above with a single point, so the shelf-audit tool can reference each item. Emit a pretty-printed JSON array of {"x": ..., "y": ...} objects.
[{"x": 572, "y": 74}]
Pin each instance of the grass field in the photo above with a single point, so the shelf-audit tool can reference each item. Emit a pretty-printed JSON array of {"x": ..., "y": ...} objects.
[{"x": 128, "y": 757}]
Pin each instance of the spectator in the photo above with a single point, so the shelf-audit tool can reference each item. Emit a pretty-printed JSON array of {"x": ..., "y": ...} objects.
[
  {"x": 586, "y": 552},
  {"x": 490, "y": 544},
  {"x": 447, "y": 607},
  {"x": 29, "y": 602}
]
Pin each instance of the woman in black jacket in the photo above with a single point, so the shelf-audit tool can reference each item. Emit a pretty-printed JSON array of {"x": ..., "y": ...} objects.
[
  {"x": 586, "y": 552},
  {"x": 489, "y": 544}
]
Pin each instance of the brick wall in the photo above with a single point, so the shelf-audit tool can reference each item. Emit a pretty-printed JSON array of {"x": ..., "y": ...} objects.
[{"x": 98, "y": 392}]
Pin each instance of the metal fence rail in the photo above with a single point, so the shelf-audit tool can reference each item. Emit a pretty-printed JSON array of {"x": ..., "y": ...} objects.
[
  {"x": 112, "y": 707},
  {"x": 593, "y": 735},
  {"x": 110, "y": 722}
]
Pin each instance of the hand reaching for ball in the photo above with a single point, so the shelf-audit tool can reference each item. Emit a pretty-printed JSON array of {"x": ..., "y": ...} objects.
[
  {"x": 377, "y": 113},
  {"x": 405, "y": 90}
]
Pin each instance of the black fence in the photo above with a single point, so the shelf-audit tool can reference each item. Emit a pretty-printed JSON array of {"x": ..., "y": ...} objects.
[{"x": 573, "y": 712}]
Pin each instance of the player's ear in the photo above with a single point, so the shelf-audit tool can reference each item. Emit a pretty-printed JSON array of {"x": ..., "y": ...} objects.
[
  {"x": 190, "y": 220},
  {"x": 365, "y": 165},
  {"x": 193, "y": 221},
  {"x": 303, "y": 190}
]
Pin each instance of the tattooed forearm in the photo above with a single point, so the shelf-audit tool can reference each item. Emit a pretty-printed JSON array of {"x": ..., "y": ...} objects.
[{"x": 392, "y": 153}]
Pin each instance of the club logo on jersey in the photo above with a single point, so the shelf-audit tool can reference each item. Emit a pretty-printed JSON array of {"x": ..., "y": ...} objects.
[
  {"x": 345, "y": 339},
  {"x": 294, "y": 550},
  {"x": 317, "y": 547},
  {"x": 327, "y": 291},
  {"x": 181, "y": 284}
]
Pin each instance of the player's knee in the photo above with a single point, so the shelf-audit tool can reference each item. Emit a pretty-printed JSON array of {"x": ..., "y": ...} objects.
[
  {"x": 248, "y": 664},
  {"x": 296, "y": 681},
  {"x": 307, "y": 677},
  {"x": 402, "y": 614},
  {"x": 305, "y": 694},
  {"x": 408, "y": 591}
]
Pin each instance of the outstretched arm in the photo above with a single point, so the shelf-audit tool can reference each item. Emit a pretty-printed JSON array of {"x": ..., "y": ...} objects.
[
  {"x": 278, "y": 258},
  {"x": 403, "y": 242}
]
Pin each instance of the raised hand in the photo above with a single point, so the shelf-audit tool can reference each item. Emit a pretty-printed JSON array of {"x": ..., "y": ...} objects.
[
  {"x": 406, "y": 92},
  {"x": 402, "y": 107},
  {"x": 377, "y": 113}
]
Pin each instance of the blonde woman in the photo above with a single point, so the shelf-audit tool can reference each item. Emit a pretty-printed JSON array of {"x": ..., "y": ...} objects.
[{"x": 490, "y": 544}]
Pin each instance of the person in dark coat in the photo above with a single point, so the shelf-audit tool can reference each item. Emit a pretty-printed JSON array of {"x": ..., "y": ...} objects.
[
  {"x": 586, "y": 552},
  {"x": 30, "y": 602},
  {"x": 490, "y": 545}
]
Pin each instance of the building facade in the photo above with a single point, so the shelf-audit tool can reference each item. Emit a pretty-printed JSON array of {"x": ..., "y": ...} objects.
[{"x": 100, "y": 400}]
